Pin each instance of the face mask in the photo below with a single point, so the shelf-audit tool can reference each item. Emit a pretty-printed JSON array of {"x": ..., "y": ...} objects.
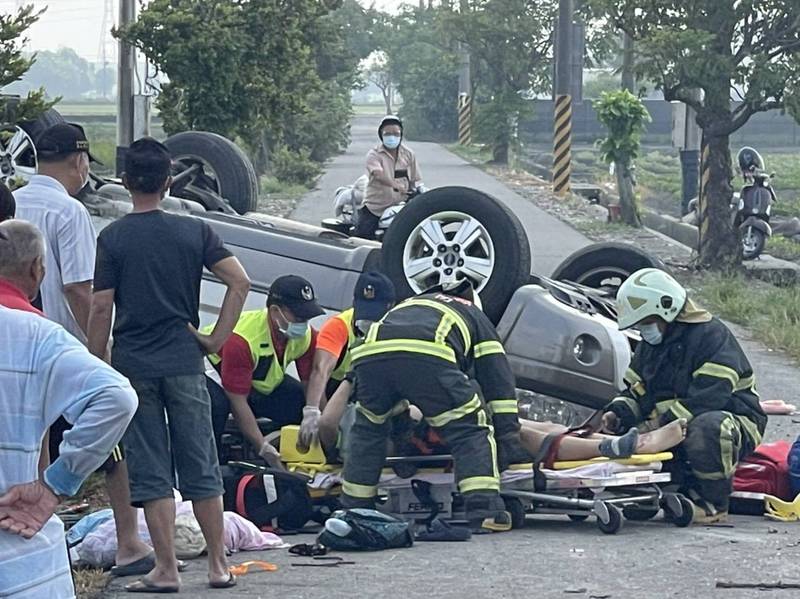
[
  {"x": 651, "y": 334},
  {"x": 391, "y": 141},
  {"x": 292, "y": 330},
  {"x": 362, "y": 326}
]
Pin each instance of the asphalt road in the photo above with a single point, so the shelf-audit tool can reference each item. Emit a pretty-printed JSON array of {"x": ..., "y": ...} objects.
[
  {"x": 552, "y": 557},
  {"x": 551, "y": 240}
]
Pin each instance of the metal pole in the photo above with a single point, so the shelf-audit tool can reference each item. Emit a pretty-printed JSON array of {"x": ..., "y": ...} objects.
[
  {"x": 690, "y": 155},
  {"x": 464, "y": 90},
  {"x": 125, "y": 84},
  {"x": 562, "y": 139}
]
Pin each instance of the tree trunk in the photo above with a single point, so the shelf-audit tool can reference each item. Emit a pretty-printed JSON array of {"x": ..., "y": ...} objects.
[
  {"x": 628, "y": 80},
  {"x": 500, "y": 152},
  {"x": 387, "y": 98},
  {"x": 627, "y": 199},
  {"x": 719, "y": 241}
]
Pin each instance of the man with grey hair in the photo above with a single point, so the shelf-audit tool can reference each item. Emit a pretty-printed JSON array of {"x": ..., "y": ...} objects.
[{"x": 45, "y": 373}]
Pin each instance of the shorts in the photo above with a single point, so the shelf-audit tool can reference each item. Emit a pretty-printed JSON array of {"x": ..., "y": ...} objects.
[
  {"x": 170, "y": 441},
  {"x": 57, "y": 431}
]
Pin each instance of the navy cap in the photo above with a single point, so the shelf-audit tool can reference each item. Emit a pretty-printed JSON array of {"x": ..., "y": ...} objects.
[
  {"x": 63, "y": 139},
  {"x": 297, "y": 294},
  {"x": 373, "y": 295}
]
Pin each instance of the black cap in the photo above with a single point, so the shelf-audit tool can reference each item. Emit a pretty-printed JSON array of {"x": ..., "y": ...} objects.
[
  {"x": 295, "y": 293},
  {"x": 373, "y": 296},
  {"x": 63, "y": 139}
]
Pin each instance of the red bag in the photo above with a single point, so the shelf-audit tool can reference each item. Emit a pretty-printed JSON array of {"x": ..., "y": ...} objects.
[{"x": 766, "y": 470}]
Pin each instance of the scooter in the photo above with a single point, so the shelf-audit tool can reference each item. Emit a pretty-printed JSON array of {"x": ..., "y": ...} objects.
[
  {"x": 755, "y": 203},
  {"x": 349, "y": 199}
]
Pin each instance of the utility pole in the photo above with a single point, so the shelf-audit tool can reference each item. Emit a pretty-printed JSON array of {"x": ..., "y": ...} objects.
[
  {"x": 562, "y": 138},
  {"x": 628, "y": 81},
  {"x": 690, "y": 155},
  {"x": 125, "y": 82},
  {"x": 464, "y": 90}
]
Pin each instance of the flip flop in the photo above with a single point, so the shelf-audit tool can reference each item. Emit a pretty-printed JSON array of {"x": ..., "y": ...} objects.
[
  {"x": 226, "y": 584},
  {"x": 141, "y": 567},
  {"x": 145, "y": 586}
]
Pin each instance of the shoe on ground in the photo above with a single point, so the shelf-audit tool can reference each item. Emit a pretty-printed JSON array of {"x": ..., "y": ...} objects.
[
  {"x": 499, "y": 522},
  {"x": 707, "y": 514}
]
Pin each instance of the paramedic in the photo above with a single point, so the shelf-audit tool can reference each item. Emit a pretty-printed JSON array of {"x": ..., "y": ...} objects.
[
  {"x": 372, "y": 297},
  {"x": 688, "y": 366},
  {"x": 45, "y": 373},
  {"x": 249, "y": 376},
  {"x": 393, "y": 173},
  {"x": 421, "y": 351}
]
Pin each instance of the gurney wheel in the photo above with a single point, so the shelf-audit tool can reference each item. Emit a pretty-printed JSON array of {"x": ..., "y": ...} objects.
[
  {"x": 614, "y": 521},
  {"x": 639, "y": 514},
  {"x": 517, "y": 510},
  {"x": 577, "y": 517},
  {"x": 680, "y": 510}
]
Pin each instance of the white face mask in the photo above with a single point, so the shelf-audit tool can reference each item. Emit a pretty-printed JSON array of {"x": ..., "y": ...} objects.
[
  {"x": 362, "y": 326},
  {"x": 651, "y": 334}
]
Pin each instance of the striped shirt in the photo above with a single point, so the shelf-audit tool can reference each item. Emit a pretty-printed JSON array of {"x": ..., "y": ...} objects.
[{"x": 45, "y": 373}]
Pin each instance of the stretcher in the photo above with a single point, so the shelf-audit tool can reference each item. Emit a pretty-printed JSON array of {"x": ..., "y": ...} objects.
[{"x": 609, "y": 490}]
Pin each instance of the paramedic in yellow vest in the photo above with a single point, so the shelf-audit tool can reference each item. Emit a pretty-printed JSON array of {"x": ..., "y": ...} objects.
[
  {"x": 249, "y": 376},
  {"x": 373, "y": 295}
]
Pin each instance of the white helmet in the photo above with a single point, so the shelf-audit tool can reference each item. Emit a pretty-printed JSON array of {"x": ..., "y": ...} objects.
[{"x": 649, "y": 292}]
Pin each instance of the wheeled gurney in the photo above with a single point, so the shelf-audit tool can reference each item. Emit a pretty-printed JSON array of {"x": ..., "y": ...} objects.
[{"x": 609, "y": 490}]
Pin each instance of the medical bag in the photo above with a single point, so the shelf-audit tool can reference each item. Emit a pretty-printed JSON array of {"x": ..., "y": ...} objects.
[{"x": 766, "y": 471}]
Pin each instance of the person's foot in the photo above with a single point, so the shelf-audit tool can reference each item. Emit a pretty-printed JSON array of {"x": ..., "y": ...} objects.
[
  {"x": 145, "y": 585},
  {"x": 219, "y": 576},
  {"x": 499, "y": 522},
  {"x": 132, "y": 553},
  {"x": 620, "y": 447},
  {"x": 663, "y": 438},
  {"x": 228, "y": 581},
  {"x": 707, "y": 515}
]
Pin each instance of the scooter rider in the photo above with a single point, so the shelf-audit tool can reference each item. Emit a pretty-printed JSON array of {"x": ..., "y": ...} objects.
[
  {"x": 689, "y": 366},
  {"x": 422, "y": 351},
  {"x": 385, "y": 162}
]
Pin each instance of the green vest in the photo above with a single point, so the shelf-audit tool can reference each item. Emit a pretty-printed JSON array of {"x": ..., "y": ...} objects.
[
  {"x": 254, "y": 327},
  {"x": 343, "y": 365}
]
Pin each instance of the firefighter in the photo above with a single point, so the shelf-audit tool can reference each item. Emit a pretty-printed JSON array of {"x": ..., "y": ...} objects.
[
  {"x": 689, "y": 366},
  {"x": 421, "y": 352},
  {"x": 373, "y": 295}
]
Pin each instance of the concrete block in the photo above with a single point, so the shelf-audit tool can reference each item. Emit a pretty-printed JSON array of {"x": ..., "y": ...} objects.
[
  {"x": 773, "y": 270},
  {"x": 681, "y": 232}
]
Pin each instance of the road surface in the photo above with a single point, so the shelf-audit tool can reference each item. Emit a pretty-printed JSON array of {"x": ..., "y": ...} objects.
[{"x": 551, "y": 240}]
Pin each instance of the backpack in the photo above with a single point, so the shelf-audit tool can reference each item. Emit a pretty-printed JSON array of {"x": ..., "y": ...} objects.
[
  {"x": 370, "y": 531},
  {"x": 766, "y": 470},
  {"x": 269, "y": 498}
]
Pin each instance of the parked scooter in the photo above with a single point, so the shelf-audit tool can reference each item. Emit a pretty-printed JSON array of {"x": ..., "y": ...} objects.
[
  {"x": 349, "y": 199},
  {"x": 755, "y": 203}
]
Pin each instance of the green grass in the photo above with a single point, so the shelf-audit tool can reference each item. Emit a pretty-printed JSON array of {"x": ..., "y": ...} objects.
[
  {"x": 771, "y": 313},
  {"x": 784, "y": 248},
  {"x": 473, "y": 153},
  {"x": 370, "y": 109},
  {"x": 270, "y": 186}
]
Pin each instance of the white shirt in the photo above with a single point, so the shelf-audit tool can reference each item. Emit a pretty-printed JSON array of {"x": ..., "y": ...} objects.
[
  {"x": 70, "y": 238},
  {"x": 46, "y": 373}
]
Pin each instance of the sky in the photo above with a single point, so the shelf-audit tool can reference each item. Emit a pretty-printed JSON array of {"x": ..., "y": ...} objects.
[{"x": 78, "y": 24}]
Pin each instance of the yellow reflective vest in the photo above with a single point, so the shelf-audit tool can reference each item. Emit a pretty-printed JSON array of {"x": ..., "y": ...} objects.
[{"x": 343, "y": 365}]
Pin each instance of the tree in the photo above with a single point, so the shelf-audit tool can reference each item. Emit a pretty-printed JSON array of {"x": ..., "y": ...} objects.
[
  {"x": 377, "y": 73},
  {"x": 235, "y": 68},
  {"x": 14, "y": 64},
  {"x": 624, "y": 115},
  {"x": 61, "y": 72},
  {"x": 749, "y": 48}
]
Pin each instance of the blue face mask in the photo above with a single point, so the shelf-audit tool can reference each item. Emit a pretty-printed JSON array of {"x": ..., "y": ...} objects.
[
  {"x": 391, "y": 141},
  {"x": 296, "y": 330},
  {"x": 651, "y": 334}
]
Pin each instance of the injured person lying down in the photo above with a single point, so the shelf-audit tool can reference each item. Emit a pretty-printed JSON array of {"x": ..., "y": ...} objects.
[{"x": 411, "y": 436}]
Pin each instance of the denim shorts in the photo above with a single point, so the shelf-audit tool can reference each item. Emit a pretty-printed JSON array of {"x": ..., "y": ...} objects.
[{"x": 170, "y": 441}]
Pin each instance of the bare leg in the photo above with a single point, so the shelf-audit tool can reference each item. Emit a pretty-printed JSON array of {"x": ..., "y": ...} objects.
[
  {"x": 130, "y": 547},
  {"x": 577, "y": 448},
  {"x": 160, "y": 516},
  {"x": 209, "y": 515}
]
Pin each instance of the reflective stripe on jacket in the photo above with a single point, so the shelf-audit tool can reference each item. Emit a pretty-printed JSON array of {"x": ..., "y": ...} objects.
[
  {"x": 255, "y": 328},
  {"x": 345, "y": 359}
]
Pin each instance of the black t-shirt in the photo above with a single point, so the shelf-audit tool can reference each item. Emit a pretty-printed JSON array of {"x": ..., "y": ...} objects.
[{"x": 154, "y": 262}]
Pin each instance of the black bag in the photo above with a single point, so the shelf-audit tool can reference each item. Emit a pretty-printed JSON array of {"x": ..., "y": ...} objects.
[
  {"x": 371, "y": 531},
  {"x": 267, "y": 497}
]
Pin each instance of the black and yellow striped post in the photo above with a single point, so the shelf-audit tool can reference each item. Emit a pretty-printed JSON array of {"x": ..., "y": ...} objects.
[
  {"x": 464, "y": 119},
  {"x": 702, "y": 197},
  {"x": 562, "y": 143}
]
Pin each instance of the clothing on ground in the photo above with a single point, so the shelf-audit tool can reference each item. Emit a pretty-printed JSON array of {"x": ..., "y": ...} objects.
[
  {"x": 46, "y": 372},
  {"x": 70, "y": 240},
  {"x": 154, "y": 262}
]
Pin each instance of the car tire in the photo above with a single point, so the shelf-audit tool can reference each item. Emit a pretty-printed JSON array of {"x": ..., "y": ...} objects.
[
  {"x": 226, "y": 170},
  {"x": 605, "y": 265},
  {"x": 18, "y": 151},
  {"x": 46, "y": 120},
  {"x": 496, "y": 244}
]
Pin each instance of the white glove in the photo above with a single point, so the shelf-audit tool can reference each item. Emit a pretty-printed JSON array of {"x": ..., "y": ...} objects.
[
  {"x": 309, "y": 428},
  {"x": 270, "y": 455}
]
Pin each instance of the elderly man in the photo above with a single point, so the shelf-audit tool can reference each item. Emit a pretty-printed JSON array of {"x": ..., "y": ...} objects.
[{"x": 45, "y": 373}]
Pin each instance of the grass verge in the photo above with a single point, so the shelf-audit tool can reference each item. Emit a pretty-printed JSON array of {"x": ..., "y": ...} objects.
[
  {"x": 475, "y": 153},
  {"x": 771, "y": 313}
]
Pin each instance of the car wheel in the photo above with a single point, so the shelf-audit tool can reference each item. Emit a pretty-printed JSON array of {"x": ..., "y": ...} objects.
[
  {"x": 18, "y": 161},
  {"x": 605, "y": 265},
  {"x": 452, "y": 233},
  {"x": 209, "y": 167}
]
